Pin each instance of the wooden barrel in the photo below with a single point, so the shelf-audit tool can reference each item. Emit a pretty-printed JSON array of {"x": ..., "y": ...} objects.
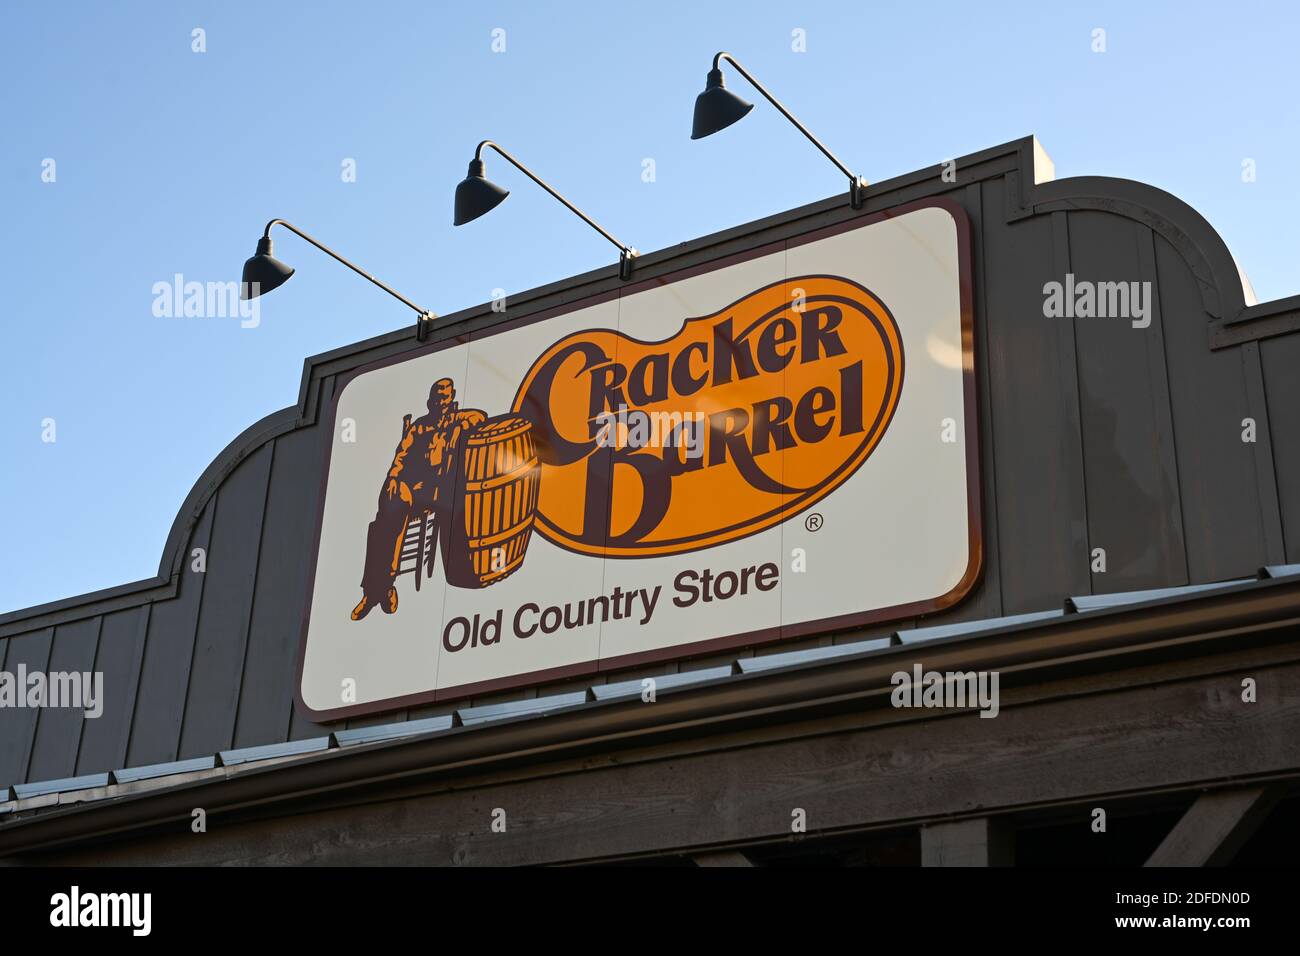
[{"x": 499, "y": 482}]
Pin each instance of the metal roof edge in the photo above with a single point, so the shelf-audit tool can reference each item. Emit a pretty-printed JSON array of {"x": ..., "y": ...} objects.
[
  {"x": 170, "y": 768},
  {"x": 41, "y": 788},
  {"x": 1229, "y": 616},
  {"x": 290, "y": 748},
  {"x": 1095, "y": 602},
  {"x": 402, "y": 728},
  {"x": 473, "y": 718}
]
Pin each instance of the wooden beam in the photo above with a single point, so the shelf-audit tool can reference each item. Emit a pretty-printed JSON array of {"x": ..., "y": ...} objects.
[
  {"x": 1120, "y": 743},
  {"x": 980, "y": 842},
  {"x": 722, "y": 858},
  {"x": 1246, "y": 627},
  {"x": 1215, "y": 827}
]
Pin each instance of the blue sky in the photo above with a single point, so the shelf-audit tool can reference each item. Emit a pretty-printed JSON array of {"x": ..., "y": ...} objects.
[{"x": 169, "y": 161}]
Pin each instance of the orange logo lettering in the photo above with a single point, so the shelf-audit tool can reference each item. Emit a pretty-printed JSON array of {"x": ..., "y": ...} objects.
[{"x": 738, "y": 422}]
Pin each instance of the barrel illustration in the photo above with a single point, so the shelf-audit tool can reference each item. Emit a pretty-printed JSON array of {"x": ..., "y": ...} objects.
[{"x": 499, "y": 479}]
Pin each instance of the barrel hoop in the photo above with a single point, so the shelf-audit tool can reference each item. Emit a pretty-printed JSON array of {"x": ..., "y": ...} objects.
[
  {"x": 521, "y": 473},
  {"x": 490, "y": 540},
  {"x": 489, "y": 436}
]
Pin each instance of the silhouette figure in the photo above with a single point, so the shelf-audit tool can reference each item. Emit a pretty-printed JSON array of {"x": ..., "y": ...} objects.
[{"x": 422, "y": 480}]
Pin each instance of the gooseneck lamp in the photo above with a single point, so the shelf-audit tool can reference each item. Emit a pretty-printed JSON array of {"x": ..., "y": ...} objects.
[
  {"x": 717, "y": 108},
  {"x": 263, "y": 272},
  {"x": 476, "y": 195}
]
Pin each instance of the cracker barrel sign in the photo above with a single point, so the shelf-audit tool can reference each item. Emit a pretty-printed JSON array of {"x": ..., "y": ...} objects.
[{"x": 779, "y": 445}]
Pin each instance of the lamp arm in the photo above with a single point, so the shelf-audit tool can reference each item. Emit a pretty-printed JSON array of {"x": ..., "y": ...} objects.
[
  {"x": 627, "y": 250},
  {"x": 854, "y": 179},
  {"x": 266, "y": 234}
]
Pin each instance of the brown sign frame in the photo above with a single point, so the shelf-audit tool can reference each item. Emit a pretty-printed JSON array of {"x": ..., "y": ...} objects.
[{"x": 764, "y": 636}]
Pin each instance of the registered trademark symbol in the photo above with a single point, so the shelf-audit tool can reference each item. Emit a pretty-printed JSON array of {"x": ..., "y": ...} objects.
[{"x": 813, "y": 522}]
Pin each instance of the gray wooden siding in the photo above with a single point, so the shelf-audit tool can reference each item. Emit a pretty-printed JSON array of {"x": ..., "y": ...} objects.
[
  {"x": 1280, "y": 361},
  {"x": 1094, "y": 435}
]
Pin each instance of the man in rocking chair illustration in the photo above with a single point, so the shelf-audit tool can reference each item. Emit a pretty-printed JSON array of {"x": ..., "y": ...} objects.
[{"x": 422, "y": 479}]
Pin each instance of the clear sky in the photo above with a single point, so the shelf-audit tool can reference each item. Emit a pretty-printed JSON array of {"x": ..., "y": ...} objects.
[{"x": 170, "y": 161}]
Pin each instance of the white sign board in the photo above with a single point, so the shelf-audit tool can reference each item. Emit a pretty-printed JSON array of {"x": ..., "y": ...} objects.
[{"x": 779, "y": 444}]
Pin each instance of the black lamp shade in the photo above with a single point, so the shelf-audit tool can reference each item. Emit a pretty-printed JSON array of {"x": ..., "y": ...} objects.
[
  {"x": 263, "y": 272},
  {"x": 475, "y": 195},
  {"x": 717, "y": 107}
]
